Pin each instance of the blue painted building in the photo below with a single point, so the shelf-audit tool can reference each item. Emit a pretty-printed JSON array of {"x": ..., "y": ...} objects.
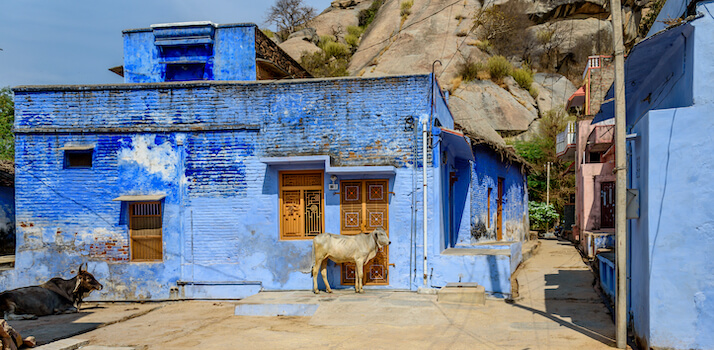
[
  {"x": 208, "y": 181},
  {"x": 670, "y": 96}
]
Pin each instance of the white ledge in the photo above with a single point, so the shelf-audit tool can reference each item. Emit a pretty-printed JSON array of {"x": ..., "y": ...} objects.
[
  {"x": 325, "y": 162},
  {"x": 140, "y": 198}
]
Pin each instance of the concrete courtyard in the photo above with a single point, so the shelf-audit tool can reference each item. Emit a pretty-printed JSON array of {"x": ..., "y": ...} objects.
[{"x": 557, "y": 308}]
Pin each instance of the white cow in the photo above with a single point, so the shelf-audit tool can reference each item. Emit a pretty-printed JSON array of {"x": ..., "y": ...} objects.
[{"x": 358, "y": 249}]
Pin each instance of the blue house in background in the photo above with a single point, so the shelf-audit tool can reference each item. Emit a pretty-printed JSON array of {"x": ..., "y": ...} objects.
[
  {"x": 670, "y": 98},
  {"x": 208, "y": 172}
]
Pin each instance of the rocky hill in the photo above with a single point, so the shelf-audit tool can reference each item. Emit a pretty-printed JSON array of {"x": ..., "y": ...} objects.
[{"x": 549, "y": 40}]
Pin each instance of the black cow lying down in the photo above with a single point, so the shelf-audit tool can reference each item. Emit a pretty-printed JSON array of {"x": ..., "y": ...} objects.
[{"x": 56, "y": 296}]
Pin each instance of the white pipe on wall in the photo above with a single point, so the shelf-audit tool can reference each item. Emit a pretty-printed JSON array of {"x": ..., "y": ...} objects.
[{"x": 424, "y": 164}]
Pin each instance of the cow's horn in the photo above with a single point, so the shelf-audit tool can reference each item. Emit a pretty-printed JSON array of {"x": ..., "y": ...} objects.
[{"x": 83, "y": 267}]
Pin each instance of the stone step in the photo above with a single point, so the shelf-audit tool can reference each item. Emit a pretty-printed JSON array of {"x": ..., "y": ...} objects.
[
  {"x": 64, "y": 344},
  {"x": 462, "y": 293}
]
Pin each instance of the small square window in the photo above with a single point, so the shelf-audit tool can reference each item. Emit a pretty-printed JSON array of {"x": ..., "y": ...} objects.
[{"x": 78, "y": 159}]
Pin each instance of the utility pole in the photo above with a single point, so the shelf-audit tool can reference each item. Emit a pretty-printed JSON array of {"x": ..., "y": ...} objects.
[
  {"x": 621, "y": 178},
  {"x": 547, "y": 184}
]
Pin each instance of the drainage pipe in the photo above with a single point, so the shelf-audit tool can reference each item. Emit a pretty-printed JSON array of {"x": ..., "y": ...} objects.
[{"x": 424, "y": 135}]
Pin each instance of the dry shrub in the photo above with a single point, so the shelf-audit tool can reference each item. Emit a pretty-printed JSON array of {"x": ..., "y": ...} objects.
[
  {"x": 484, "y": 45},
  {"x": 469, "y": 70},
  {"x": 498, "y": 67},
  {"x": 406, "y": 8},
  {"x": 523, "y": 76},
  {"x": 455, "y": 83},
  {"x": 366, "y": 16},
  {"x": 352, "y": 40},
  {"x": 320, "y": 65},
  {"x": 355, "y": 30},
  {"x": 483, "y": 75}
]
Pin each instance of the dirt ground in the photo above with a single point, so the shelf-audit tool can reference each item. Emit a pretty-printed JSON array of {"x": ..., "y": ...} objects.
[{"x": 557, "y": 309}]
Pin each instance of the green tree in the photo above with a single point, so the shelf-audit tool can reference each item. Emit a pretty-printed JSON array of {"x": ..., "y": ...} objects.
[
  {"x": 539, "y": 151},
  {"x": 7, "y": 118},
  {"x": 542, "y": 216}
]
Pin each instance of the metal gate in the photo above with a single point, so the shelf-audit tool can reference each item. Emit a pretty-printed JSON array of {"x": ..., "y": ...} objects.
[{"x": 364, "y": 206}]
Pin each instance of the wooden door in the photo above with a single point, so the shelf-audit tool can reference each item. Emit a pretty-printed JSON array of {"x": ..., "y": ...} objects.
[
  {"x": 364, "y": 206},
  {"x": 607, "y": 205},
  {"x": 499, "y": 210}
]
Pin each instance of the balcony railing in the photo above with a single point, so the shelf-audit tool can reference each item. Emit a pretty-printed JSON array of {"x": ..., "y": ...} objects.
[{"x": 565, "y": 143}]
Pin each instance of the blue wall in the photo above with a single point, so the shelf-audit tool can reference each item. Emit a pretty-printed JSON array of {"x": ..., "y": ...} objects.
[
  {"x": 203, "y": 146},
  {"x": 671, "y": 271},
  {"x": 672, "y": 302},
  {"x": 487, "y": 168}
]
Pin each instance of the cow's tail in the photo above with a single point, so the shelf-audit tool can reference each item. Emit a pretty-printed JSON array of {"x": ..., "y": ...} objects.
[{"x": 312, "y": 266}]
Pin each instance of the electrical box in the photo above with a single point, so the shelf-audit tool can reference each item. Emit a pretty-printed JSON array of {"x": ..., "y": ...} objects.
[{"x": 633, "y": 203}]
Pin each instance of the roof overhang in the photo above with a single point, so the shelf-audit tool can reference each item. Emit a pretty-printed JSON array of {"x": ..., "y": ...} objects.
[
  {"x": 577, "y": 99},
  {"x": 140, "y": 198},
  {"x": 456, "y": 142},
  {"x": 77, "y": 147}
]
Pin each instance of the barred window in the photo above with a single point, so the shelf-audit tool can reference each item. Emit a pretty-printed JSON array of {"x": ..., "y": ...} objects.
[
  {"x": 145, "y": 230},
  {"x": 301, "y": 204}
]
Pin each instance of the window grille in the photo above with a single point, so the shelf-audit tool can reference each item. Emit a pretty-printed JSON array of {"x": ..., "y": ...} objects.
[
  {"x": 301, "y": 205},
  {"x": 146, "y": 231}
]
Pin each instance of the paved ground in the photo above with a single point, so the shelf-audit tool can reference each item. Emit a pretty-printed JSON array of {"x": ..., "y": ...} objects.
[{"x": 556, "y": 309}]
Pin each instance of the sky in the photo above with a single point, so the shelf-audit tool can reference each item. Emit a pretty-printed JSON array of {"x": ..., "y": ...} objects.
[{"x": 77, "y": 41}]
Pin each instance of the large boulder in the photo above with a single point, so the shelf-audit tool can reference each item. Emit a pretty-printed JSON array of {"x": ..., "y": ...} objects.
[
  {"x": 630, "y": 24},
  {"x": 307, "y": 34},
  {"x": 521, "y": 95},
  {"x": 296, "y": 47},
  {"x": 340, "y": 15},
  {"x": 553, "y": 91},
  {"x": 569, "y": 36},
  {"x": 467, "y": 118},
  {"x": 484, "y": 100}
]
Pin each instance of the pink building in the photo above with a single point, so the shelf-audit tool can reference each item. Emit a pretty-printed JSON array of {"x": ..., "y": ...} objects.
[{"x": 591, "y": 148}]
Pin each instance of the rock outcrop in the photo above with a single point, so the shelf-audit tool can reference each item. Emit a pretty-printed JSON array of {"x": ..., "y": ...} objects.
[
  {"x": 553, "y": 91},
  {"x": 484, "y": 100},
  {"x": 442, "y": 30},
  {"x": 295, "y": 47},
  {"x": 340, "y": 15}
]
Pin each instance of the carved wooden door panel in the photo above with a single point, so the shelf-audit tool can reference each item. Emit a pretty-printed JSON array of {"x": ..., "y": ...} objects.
[{"x": 364, "y": 206}]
